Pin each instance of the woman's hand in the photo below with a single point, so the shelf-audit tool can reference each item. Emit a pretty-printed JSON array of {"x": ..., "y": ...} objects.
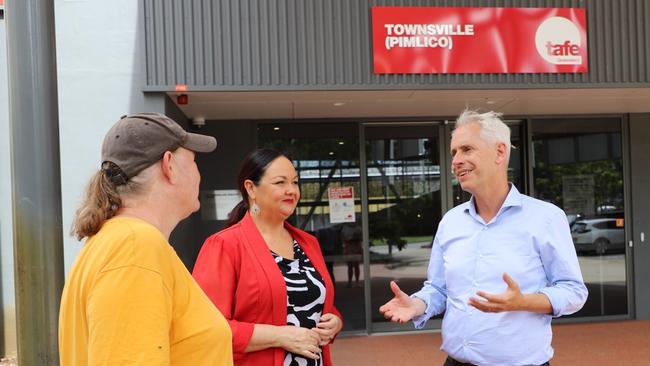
[
  {"x": 328, "y": 328},
  {"x": 301, "y": 341}
]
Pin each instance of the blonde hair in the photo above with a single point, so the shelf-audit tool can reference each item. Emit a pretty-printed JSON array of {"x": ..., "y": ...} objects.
[{"x": 102, "y": 200}]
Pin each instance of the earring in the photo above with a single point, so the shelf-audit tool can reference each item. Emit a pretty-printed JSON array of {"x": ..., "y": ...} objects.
[{"x": 255, "y": 209}]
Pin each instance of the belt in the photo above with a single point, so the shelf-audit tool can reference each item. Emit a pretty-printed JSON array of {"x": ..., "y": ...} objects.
[{"x": 453, "y": 362}]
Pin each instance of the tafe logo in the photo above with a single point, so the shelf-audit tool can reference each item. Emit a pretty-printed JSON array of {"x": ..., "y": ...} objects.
[{"x": 558, "y": 41}]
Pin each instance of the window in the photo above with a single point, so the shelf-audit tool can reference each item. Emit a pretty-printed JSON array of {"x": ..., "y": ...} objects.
[{"x": 578, "y": 166}]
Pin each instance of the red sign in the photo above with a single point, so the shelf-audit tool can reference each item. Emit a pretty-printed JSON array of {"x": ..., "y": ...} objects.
[
  {"x": 432, "y": 40},
  {"x": 336, "y": 193}
]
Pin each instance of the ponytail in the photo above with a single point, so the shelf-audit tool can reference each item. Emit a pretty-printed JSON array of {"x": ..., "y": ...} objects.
[
  {"x": 104, "y": 197},
  {"x": 237, "y": 213},
  {"x": 101, "y": 201}
]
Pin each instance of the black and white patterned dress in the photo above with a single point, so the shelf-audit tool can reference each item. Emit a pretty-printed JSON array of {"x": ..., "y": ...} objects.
[{"x": 305, "y": 297}]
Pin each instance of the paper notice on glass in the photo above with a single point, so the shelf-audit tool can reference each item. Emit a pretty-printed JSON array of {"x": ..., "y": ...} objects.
[
  {"x": 578, "y": 194},
  {"x": 341, "y": 201},
  {"x": 217, "y": 204}
]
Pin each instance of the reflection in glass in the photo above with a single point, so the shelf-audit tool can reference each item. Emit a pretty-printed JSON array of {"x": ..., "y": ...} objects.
[
  {"x": 327, "y": 159},
  {"x": 404, "y": 208},
  {"x": 578, "y": 167}
]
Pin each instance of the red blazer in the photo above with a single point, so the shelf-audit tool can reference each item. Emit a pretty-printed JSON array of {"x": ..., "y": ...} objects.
[{"x": 236, "y": 270}]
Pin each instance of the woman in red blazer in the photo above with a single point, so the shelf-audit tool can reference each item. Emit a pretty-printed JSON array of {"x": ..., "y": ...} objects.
[{"x": 267, "y": 277}]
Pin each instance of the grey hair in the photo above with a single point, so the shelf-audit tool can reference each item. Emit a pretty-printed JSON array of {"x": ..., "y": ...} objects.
[
  {"x": 137, "y": 185},
  {"x": 493, "y": 129}
]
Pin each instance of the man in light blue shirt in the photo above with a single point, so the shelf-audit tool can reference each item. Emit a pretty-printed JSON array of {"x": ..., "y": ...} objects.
[{"x": 502, "y": 265}]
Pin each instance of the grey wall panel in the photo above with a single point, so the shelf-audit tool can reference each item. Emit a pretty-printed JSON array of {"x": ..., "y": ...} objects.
[
  {"x": 327, "y": 45},
  {"x": 639, "y": 182}
]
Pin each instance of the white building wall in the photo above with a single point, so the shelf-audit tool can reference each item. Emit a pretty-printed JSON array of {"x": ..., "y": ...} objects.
[{"x": 100, "y": 65}]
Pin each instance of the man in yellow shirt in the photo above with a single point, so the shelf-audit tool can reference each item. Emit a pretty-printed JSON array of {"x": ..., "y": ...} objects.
[{"x": 128, "y": 298}]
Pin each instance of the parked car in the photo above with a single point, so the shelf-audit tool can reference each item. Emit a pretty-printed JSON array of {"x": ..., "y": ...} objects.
[
  {"x": 598, "y": 235},
  {"x": 572, "y": 218}
]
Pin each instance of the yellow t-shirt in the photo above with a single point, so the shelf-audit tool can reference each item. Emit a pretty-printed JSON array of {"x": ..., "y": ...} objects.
[{"x": 129, "y": 300}]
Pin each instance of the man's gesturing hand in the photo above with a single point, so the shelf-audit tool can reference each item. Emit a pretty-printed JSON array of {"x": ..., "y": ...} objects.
[
  {"x": 511, "y": 300},
  {"x": 401, "y": 308}
]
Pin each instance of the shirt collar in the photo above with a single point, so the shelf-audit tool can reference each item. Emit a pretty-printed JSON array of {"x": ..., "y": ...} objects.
[{"x": 513, "y": 199}]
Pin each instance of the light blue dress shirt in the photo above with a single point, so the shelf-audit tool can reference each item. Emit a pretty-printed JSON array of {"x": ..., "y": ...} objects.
[{"x": 531, "y": 241}]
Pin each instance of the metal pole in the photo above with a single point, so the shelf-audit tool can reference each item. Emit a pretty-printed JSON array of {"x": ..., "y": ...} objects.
[{"x": 36, "y": 181}]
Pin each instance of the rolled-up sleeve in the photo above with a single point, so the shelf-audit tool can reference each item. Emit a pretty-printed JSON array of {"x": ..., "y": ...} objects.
[
  {"x": 434, "y": 291},
  {"x": 566, "y": 289}
]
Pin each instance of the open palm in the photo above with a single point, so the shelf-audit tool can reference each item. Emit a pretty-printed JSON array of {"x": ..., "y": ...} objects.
[{"x": 401, "y": 308}]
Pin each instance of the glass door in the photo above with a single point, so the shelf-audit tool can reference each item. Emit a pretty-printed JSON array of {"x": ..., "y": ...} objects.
[
  {"x": 374, "y": 193},
  {"x": 326, "y": 157},
  {"x": 404, "y": 184},
  {"x": 578, "y": 166}
]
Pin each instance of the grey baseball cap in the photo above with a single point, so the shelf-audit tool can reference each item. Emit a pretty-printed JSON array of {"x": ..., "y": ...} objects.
[{"x": 136, "y": 142}]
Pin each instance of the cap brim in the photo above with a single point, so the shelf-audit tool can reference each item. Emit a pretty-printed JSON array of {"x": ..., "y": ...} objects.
[{"x": 200, "y": 143}]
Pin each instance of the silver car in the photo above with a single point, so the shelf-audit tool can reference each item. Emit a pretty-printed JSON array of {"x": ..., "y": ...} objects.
[{"x": 598, "y": 235}]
